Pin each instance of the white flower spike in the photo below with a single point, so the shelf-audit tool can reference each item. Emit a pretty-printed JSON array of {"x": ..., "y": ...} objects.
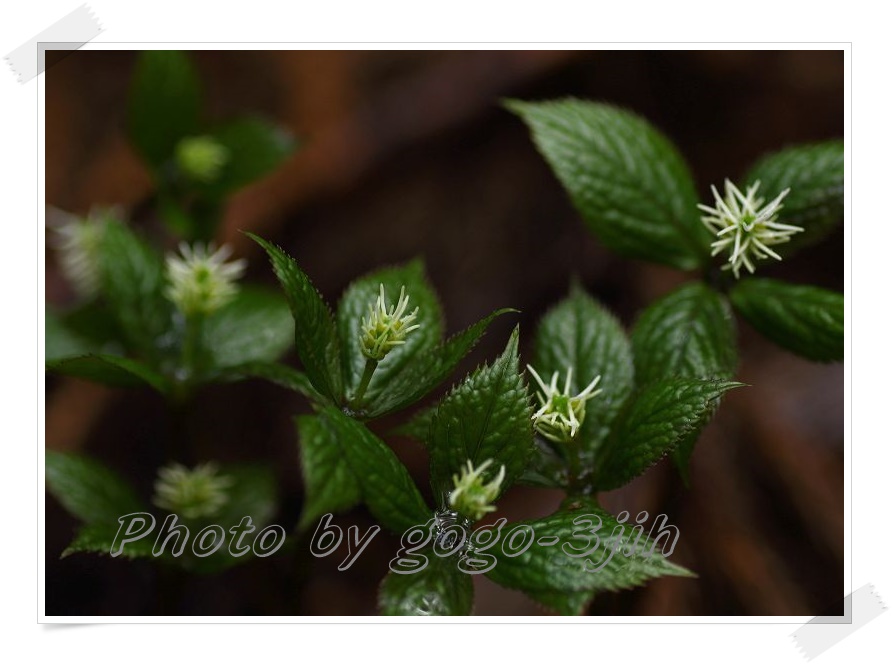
[
  {"x": 745, "y": 227},
  {"x": 77, "y": 240},
  {"x": 191, "y": 493},
  {"x": 383, "y": 330},
  {"x": 471, "y": 497},
  {"x": 561, "y": 414},
  {"x": 200, "y": 281}
]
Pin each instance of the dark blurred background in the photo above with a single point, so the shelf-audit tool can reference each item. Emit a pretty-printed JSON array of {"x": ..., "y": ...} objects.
[{"x": 409, "y": 153}]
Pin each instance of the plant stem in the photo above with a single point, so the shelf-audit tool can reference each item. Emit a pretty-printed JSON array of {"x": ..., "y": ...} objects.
[
  {"x": 367, "y": 373},
  {"x": 574, "y": 466},
  {"x": 192, "y": 345}
]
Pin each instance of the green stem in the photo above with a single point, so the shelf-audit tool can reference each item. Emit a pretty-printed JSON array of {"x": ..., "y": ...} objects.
[
  {"x": 367, "y": 373},
  {"x": 574, "y": 466}
]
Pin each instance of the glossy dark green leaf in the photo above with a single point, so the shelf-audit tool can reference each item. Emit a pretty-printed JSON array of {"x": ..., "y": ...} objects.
[
  {"x": 100, "y": 538},
  {"x": 112, "y": 370},
  {"x": 626, "y": 179},
  {"x": 89, "y": 490},
  {"x": 440, "y": 589},
  {"x": 256, "y": 326},
  {"x": 315, "y": 333},
  {"x": 255, "y": 147},
  {"x": 329, "y": 482},
  {"x": 487, "y": 416},
  {"x": 132, "y": 281},
  {"x": 806, "y": 320},
  {"x": 586, "y": 552},
  {"x": 690, "y": 333},
  {"x": 164, "y": 104},
  {"x": 278, "y": 374},
  {"x": 659, "y": 417},
  {"x": 384, "y": 483},
  {"x": 815, "y": 175}
]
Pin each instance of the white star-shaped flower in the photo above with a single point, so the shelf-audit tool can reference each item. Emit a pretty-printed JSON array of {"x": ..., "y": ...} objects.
[
  {"x": 561, "y": 413},
  {"x": 745, "y": 227}
]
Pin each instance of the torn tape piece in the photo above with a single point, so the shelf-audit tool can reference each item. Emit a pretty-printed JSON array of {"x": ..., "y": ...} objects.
[{"x": 68, "y": 34}]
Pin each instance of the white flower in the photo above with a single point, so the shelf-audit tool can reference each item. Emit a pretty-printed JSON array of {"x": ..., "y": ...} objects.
[
  {"x": 191, "y": 493},
  {"x": 383, "y": 329},
  {"x": 561, "y": 414},
  {"x": 200, "y": 281},
  {"x": 745, "y": 227},
  {"x": 78, "y": 242},
  {"x": 471, "y": 497},
  {"x": 201, "y": 158}
]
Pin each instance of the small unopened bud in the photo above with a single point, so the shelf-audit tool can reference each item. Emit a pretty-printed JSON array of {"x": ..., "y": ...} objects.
[
  {"x": 201, "y": 158},
  {"x": 384, "y": 329}
]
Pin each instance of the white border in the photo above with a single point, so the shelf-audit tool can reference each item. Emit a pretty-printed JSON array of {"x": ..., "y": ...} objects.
[
  {"x": 179, "y": 20},
  {"x": 110, "y": 45}
]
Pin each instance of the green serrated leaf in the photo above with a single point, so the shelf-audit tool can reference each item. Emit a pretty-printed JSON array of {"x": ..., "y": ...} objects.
[
  {"x": 418, "y": 426},
  {"x": 329, "y": 482},
  {"x": 164, "y": 104},
  {"x": 315, "y": 334},
  {"x": 278, "y": 374},
  {"x": 355, "y": 304},
  {"x": 110, "y": 370},
  {"x": 256, "y": 326},
  {"x": 132, "y": 280},
  {"x": 440, "y": 589},
  {"x": 690, "y": 333},
  {"x": 806, "y": 320},
  {"x": 627, "y": 180},
  {"x": 384, "y": 483},
  {"x": 254, "y": 147},
  {"x": 487, "y": 416},
  {"x": 815, "y": 175},
  {"x": 658, "y": 418},
  {"x": 100, "y": 537},
  {"x": 546, "y": 572},
  {"x": 579, "y": 333},
  {"x": 429, "y": 369},
  {"x": 89, "y": 490}
]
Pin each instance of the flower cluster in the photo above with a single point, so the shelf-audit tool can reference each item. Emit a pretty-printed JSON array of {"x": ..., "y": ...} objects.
[
  {"x": 201, "y": 158},
  {"x": 200, "y": 281},
  {"x": 561, "y": 414},
  {"x": 385, "y": 329},
  {"x": 191, "y": 493},
  {"x": 471, "y": 497},
  {"x": 77, "y": 240},
  {"x": 745, "y": 227}
]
